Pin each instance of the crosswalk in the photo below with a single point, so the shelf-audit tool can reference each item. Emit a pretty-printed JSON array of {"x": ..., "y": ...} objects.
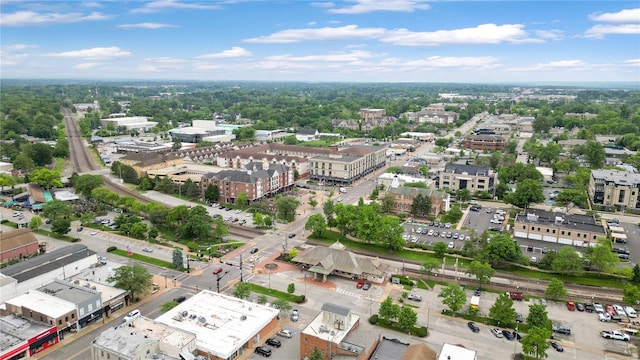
[{"x": 348, "y": 293}]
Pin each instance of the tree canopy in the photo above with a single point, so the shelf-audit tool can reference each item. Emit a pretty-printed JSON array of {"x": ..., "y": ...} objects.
[{"x": 133, "y": 278}]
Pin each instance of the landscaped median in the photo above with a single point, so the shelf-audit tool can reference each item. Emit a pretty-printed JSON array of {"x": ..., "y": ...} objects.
[
  {"x": 144, "y": 258},
  {"x": 298, "y": 299}
]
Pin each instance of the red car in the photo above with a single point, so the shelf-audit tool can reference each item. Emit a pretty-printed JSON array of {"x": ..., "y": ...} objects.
[
  {"x": 217, "y": 270},
  {"x": 609, "y": 309},
  {"x": 360, "y": 284},
  {"x": 571, "y": 306}
]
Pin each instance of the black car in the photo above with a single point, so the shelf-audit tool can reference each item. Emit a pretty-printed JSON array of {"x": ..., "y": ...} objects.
[
  {"x": 473, "y": 326},
  {"x": 254, "y": 250},
  {"x": 292, "y": 235},
  {"x": 588, "y": 307},
  {"x": 274, "y": 342},
  {"x": 263, "y": 350},
  {"x": 557, "y": 346},
  {"x": 508, "y": 334},
  {"x": 476, "y": 292},
  {"x": 180, "y": 299},
  {"x": 580, "y": 307},
  {"x": 517, "y": 335},
  {"x": 475, "y": 208}
]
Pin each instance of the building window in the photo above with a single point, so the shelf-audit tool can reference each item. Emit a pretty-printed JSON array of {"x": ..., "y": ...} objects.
[
  {"x": 60, "y": 322},
  {"x": 524, "y": 227},
  {"x": 547, "y": 230},
  {"x": 569, "y": 233},
  {"x": 562, "y": 232},
  {"x": 66, "y": 318},
  {"x": 553, "y": 231},
  {"x": 73, "y": 316}
]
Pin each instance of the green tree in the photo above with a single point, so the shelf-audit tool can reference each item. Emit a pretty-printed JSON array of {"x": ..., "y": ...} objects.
[
  {"x": 23, "y": 162},
  {"x": 527, "y": 191},
  {"x": 421, "y": 205},
  {"x": 258, "y": 219},
  {"x": 454, "y": 297},
  {"x": 41, "y": 153},
  {"x": 327, "y": 209},
  {"x": 316, "y": 224},
  {"x": 601, "y": 256},
  {"x": 61, "y": 226},
  {"x": 439, "y": 249},
  {"x": 168, "y": 306},
  {"x": 463, "y": 195},
  {"x": 388, "y": 310},
  {"x": 635, "y": 278},
  {"x": 138, "y": 230},
  {"x": 6, "y": 180},
  {"x": 212, "y": 193},
  {"x": 286, "y": 207},
  {"x": 501, "y": 248},
  {"x": 535, "y": 342},
  {"x": 388, "y": 202},
  {"x": 242, "y": 290},
  {"x": 242, "y": 199},
  {"x": 538, "y": 317},
  {"x": 35, "y": 222},
  {"x": 262, "y": 299},
  {"x": 555, "y": 289},
  {"x": 567, "y": 262},
  {"x": 177, "y": 259},
  {"x": 407, "y": 318},
  {"x": 291, "y": 288},
  {"x": 316, "y": 354},
  {"x": 572, "y": 196},
  {"x": 313, "y": 203},
  {"x": 153, "y": 233},
  {"x": 282, "y": 304},
  {"x": 389, "y": 232},
  {"x": 502, "y": 310},
  {"x": 630, "y": 294},
  {"x": 84, "y": 184},
  {"x": 483, "y": 272},
  {"x": 45, "y": 178},
  {"x": 429, "y": 265},
  {"x": 133, "y": 278}
]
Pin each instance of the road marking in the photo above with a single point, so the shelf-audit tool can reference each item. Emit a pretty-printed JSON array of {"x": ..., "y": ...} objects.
[{"x": 349, "y": 293}]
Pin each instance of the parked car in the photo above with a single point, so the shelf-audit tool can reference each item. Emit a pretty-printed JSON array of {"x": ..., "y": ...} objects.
[
  {"x": 604, "y": 317},
  {"x": 609, "y": 309},
  {"x": 580, "y": 307},
  {"x": 366, "y": 286},
  {"x": 571, "y": 306},
  {"x": 285, "y": 333},
  {"x": 360, "y": 284},
  {"x": 508, "y": 335},
  {"x": 451, "y": 245},
  {"x": 132, "y": 315},
  {"x": 147, "y": 249},
  {"x": 615, "y": 335},
  {"x": 180, "y": 299},
  {"x": 557, "y": 346},
  {"x": 588, "y": 307},
  {"x": 598, "y": 308},
  {"x": 217, "y": 270},
  {"x": 473, "y": 326},
  {"x": 476, "y": 292},
  {"x": 274, "y": 342},
  {"x": 93, "y": 233},
  {"x": 263, "y": 350},
  {"x": 619, "y": 309},
  {"x": 543, "y": 302},
  {"x": 514, "y": 295},
  {"x": 519, "y": 318},
  {"x": 292, "y": 235},
  {"x": 294, "y": 315},
  {"x": 254, "y": 250},
  {"x": 497, "y": 332},
  {"x": 561, "y": 330},
  {"x": 631, "y": 312},
  {"x": 414, "y": 297}
]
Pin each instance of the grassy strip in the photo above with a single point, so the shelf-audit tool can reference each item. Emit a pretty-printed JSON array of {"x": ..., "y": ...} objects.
[
  {"x": 587, "y": 279},
  {"x": 60, "y": 162},
  {"x": 392, "y": 325},
  {"x": 522, "y": 327},
  {"x": 146, "y": 259},
  {"x": 56, "y": 236},
  {"x": 298, "y": 299}
]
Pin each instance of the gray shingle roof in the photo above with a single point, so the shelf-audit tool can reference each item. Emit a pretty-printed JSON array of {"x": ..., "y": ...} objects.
[
  {"x": 469, "y": 169},
  {"x": 336, "y": 309},
  {"x": 44, "y": 263}
]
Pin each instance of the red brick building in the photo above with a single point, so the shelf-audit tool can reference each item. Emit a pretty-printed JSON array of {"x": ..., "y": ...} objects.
[
  {"x": 484, "y": 142},
  {"x": 16, "y": 244},
  {"x": 24, "y": 338}
]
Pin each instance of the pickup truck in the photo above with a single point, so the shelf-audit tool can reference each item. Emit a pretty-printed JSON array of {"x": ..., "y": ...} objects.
[
  {"x": 561, "y": 330},
  {"x": 614, "y": 335}
]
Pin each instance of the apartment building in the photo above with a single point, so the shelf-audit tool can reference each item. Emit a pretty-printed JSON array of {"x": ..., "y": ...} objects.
[
  {"x": 366, "y": 114},
  {"x": 483, "y": 142},
  {"x": 567, "y": 229},
  {"x": 472, "y": 177},
  {"x": 403, "y": 198},
  {"x": 614, "y": 189},
  {"x": 348, "y": 165}
]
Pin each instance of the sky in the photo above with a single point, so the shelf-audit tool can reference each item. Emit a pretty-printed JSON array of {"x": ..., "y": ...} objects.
[{"x": 322, "y": 41}]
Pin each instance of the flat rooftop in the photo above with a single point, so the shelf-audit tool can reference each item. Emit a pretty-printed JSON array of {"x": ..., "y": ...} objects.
[
  {"x": 128, "y": 339},
  {"x": 457, "y": 352},
  {"x": 43, "y": 303},
  {"x": 390, "y": 349},
  {"x": 222, "y": 323},
  {"x": 70, "y": 292},
  {"x": 617, "y": 177},
  {"x": 107, "y": 292},
  {"x": 561, "y": 220},
  {"x": 327, "y": 332},
  {"x": 43, "y": 264},
  {"x": 15, "y": 329}
]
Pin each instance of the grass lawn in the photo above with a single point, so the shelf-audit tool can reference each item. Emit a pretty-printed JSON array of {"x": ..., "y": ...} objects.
[
  {"x": 60, "y": 162},
  {"x": 146, "y": 259},
  {"x": 586, "y": 279},
  {"x": 317, "y": 143},
  {"x": 276, "y": 293},
  {"x": 56, "y": 236}
]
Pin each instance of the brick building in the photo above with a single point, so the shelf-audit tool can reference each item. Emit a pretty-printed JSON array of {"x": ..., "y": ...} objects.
[
  {"x": 17, "y": 244},
  {"x": 483, "y": 142},
  {"x": 403, "y": 198},
  {"x": 567, "y": 229},
  {"x": 329, "y": 330}
]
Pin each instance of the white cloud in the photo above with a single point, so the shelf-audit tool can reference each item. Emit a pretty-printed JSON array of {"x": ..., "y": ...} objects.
[
  {"x": 156, "y": 6},
  {"x": 449, "y": 61},
  {"x": 98, "y": 52},
  {"x": 482, "y": 34},
  {"x": 367, "y": 6},
  {"x": 331, "y": 57},
  {"x": 632, "y": 62},
  {"x": 84, "y": 66},
  {"x": 30, "y": 18},
  {"x": 599, "y": 31},
  {"x": 93, "y": 4},
  {"x": 151, "y": 26},
  {"x": 346, "y": 32},
  {"x": 234, "y": 52},
  {"x": 18, "y": 47},
  {"x": 205, "y": 66},
  {"x": 549, "y": 34},
  {"x": 623, "y": 16},
  {"x": 311, "y": 23},
  {"x": 564, "y": 65}
]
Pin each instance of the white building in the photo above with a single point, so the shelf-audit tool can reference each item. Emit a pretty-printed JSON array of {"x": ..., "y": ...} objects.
[
  {"x": 456, "y": 352},
  {"x": 131, "y": 123},
  {"x": 226, "y": 327}
]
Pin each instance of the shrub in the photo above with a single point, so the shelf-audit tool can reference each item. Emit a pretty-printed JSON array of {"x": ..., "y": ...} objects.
[
  {"x": 421, "y": 331},
  {"x": 111, "y": 248},
  {"x": 373, "y": 319}
]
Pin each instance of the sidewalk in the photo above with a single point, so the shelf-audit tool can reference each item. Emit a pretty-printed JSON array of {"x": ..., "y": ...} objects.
[{"x": 71, "y": 337}]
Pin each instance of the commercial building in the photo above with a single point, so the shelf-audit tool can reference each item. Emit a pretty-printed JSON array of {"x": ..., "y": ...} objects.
[
  {"x": 257, "y": 180},
  {"x": 388, "y": 180},
  {"x": 21, "y": 338},
  {"x": 44, "y": 308},
  {"x": 201, "y": 130},
  {"x": 18, "y": 244},
  {"x": 483, "y": 142},
  {"x": 225, "y": 327},
  {"x": 142, "y": 162},
  {"x": 471, "y": 177},
  {"x": 180, "y": 174},
  {"x": 328, "y": 332},
  {"x": 323, "y": 262},
  {"x": 130, "y": 123},
  {"x": 306, "y": 134},
  {"x": 143, "y": 338},
  {"x": 87, "y": 301},
  {"x": 367, "y": 114},
  {"x": 30, "y": 274},
  {"x": 456, "y": 352},
  {"x": 403, "y": 198},
  {"x": 348, "y": 165},
  {"x": 394, "y": 349},
  {"x": 566, "y": 229},
  {"x": 112, "y": 298},
  {"x": 270, "y": 135},
  {"x": 432, "y": 116},
  {"x": 615, "y": 189}
]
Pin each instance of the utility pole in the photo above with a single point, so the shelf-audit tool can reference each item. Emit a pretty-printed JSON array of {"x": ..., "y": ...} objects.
[
  {"x": 241, "y": 279},
  {"x": 218, "y": 277}
]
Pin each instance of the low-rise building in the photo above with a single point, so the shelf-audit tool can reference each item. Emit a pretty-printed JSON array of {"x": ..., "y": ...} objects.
[
  {"x": 483, "y": 142},
  {"x": 367, "y": 114},
  {"x": 403, "y": 198},
  {"x": 257, "y": 180},
  {"x": 142, "y": 162},
  {"x": 87, "y": 301},
  {"x": 143, "y": 338},
  {"x": 44, "y": 308},
  {"x": 225, "y": 327},
  {"x": 328, "y": 332},
  {"x": 18, "y": 244},
  {"x": 566, "y": 229},
  {"x": 472, "y": 177},
  {"x": 306, "y": 134},
  {"x": 130, "y": 123},
  {"x": 394, "y": 349},
  {"x": 456, "y": 352},
  {"x": 21, "y": 338},
  {"x": 348, "y": 165},
  {"x": 433, "y": 115},
  {"x": 615, "y": 189}
]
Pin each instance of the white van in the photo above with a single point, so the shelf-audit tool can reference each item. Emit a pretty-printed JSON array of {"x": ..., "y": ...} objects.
[
  {"x": 132, "y": 315},
  {"x": 630, "y": 312}
]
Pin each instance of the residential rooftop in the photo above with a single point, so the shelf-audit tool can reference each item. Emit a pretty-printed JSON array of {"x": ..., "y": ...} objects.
[
  {"x": 618, "y": 177},
  {"x": 222, "y": 323}
]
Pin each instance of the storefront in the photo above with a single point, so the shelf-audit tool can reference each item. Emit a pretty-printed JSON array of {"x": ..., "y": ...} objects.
[
  {"x": 43, "y": 341},
  {"x": 94, "y": 316}
]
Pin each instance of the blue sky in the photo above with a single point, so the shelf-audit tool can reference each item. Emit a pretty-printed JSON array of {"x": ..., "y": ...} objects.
[{"x": 354, "y": 41}]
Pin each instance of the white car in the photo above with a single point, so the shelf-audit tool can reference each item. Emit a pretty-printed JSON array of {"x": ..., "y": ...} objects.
[
  {"x": 430, "y": 233},
  {"x": 132, "y": 315},
  {"x": 414, "y": 239},
  {"x": 467, "y": 238},
  {"x": 598, "y": 307},
  {"x": 16, "y": 214},
  {"x": 405, "y": 237},
  {"x": 238, "y": 211},
  {"x": 93, "y": 233},
  {"x": 619, "y": 309},
  {"x": 631, "y": 312},
  {"x": 604, "y": 317},
  {"x": 451, "y": 245},
  {"x": 495, "y": 221}
]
